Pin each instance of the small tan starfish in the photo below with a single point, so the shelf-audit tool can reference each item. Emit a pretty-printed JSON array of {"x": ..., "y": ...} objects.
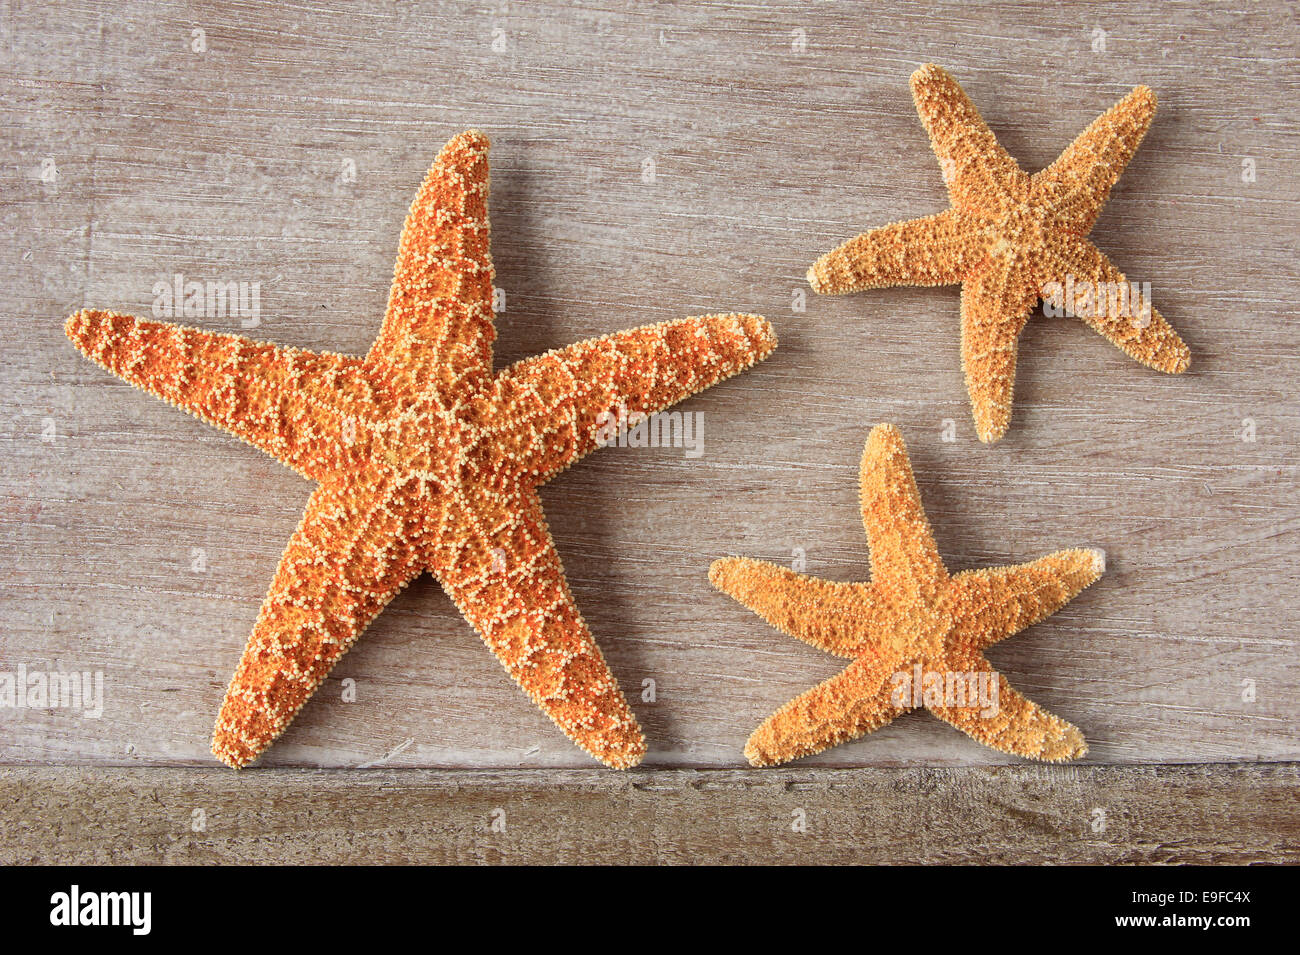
[
  {"x": 916, "y": 635},
  {"x": 1011, "y": 239},
  {"x": 424, "y": 460}
]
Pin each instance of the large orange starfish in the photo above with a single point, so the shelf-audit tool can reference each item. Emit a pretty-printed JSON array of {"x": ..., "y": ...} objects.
[
  {"x": 426, "y": 461},
  {"x": 915, "y": 634},
  {"x": 1011, "y": 239}
]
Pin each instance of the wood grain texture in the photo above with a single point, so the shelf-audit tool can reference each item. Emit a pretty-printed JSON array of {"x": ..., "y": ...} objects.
[
  {"x": 1010, "y": 814},
  {"x": 774, "y": 132}
]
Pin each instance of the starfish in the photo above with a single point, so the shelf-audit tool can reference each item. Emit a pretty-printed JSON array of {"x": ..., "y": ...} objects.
[
  {"x": 424, "y": 460},
  {"x": 1011, "y": 239},
  {"x": 915, "y": 634}
]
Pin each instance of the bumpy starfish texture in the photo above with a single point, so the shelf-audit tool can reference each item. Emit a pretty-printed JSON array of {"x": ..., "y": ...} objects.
[
  {"x": 916, "y": 635},
  {"x": 1011, "y": 239},
  {"x": 425, "y": 460}
]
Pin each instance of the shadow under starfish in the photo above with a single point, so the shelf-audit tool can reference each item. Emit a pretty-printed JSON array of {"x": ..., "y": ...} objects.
[{"x": 424, "y": 460}]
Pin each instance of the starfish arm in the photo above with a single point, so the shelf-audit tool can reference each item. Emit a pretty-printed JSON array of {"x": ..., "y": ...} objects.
[
  {"x": 1011, "y": 723},
  {"x": 995, "y": 305},
  {"x": 999, "y": 602},
  {"x": 349, "y": 557},
  {"x": 507, "y": 580},
  {"x": 562, "y": 405},
  {"x": 835, "y": 617},
  {"x": 438, "y": 329},
  {"x": 859, "y": 699},
  {"x": 934, "y": 250},
  {"x": 1115, "y": 308},
  {"x": 300, "y": 407},
  {"x": 1077, "y": 185},
  {"x": 904, "y": 558},
  {"x": 981, "y": 176}
]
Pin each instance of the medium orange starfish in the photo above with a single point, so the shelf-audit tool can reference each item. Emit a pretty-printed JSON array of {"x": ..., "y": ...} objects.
[
  {"x": 1011, "y": 239},
  {"x": 426, "y": 461},
  {"x": 916, "y": 635}
]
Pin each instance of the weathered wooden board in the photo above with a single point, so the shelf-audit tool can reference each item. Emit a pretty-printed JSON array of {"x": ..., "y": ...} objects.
[
  {"x": 137, "y": 542},
  {"x": 1008, "y": 814}
]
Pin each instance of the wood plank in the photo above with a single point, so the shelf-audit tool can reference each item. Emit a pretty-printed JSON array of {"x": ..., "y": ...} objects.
[
  {"x": 229, "y": 165},
  {"x": 1014, "y": 814}
]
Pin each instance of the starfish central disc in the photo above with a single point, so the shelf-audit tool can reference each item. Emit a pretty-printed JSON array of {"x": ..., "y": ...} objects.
[{"x": 1024, "y": 231}]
